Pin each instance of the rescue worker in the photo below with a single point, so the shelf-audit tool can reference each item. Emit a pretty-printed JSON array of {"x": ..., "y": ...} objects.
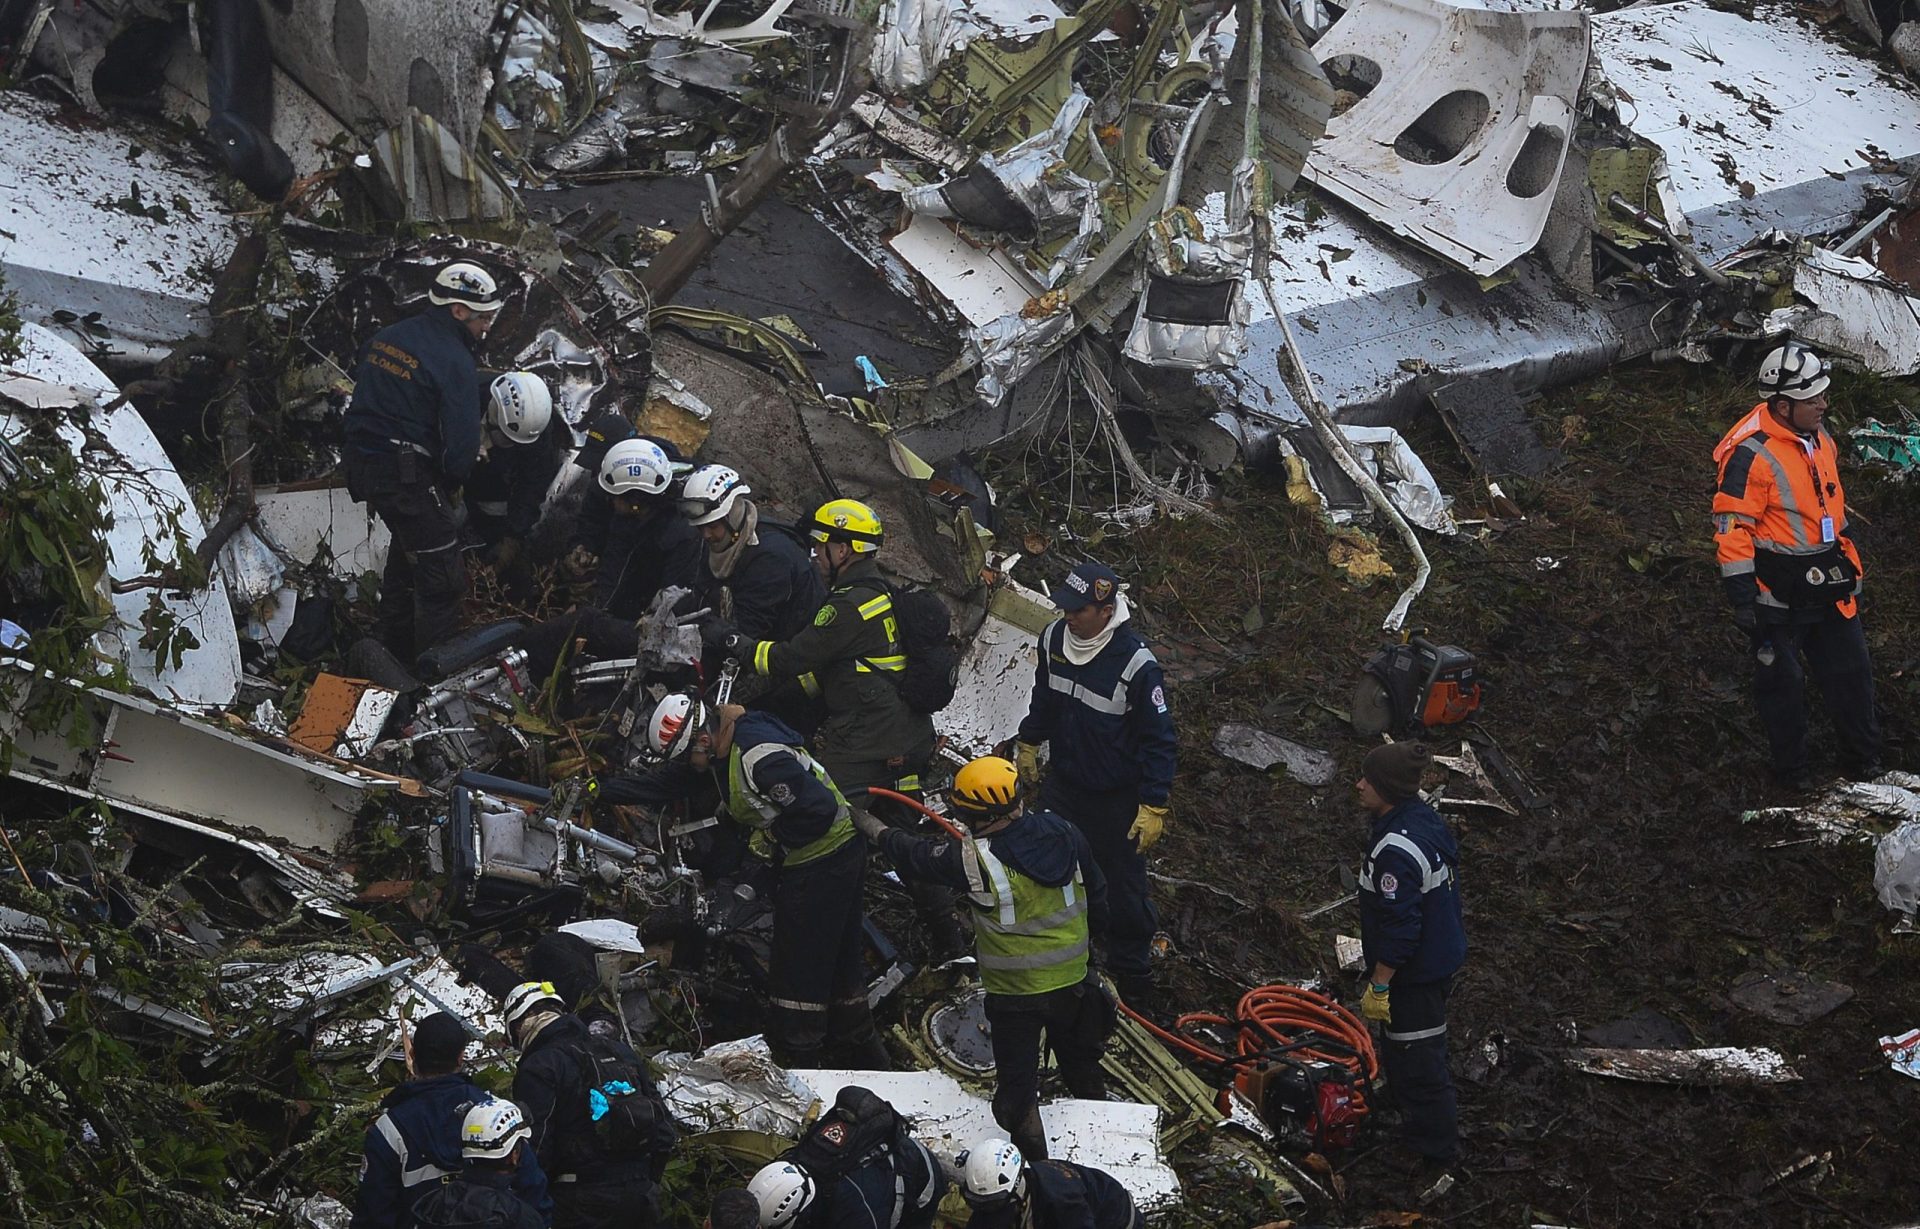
[
  {"x": 1007, "y": 1191},
  {"x": 644, "y": 546},
  {"x": 1413, "y": 942},
  {"x": 868, "y": 735},
  {"x": 816, "y": 975},
  {"x": 755, "y": 578},
  {"x": 597, "y": 1123},
  {"x": 412, "y": 433},
  {"x": 1037, "y": 896},
  {"x": 850, "y": 659},
  {"x": 1791, "y": 572},
  {"x": 1100, "y": 700},
  {"x": 524, "y": 448},
  {"x": 415, "y": 1142},
  {"x": 850, "y": 1173},
  {"x": 493, "y": 1141}
]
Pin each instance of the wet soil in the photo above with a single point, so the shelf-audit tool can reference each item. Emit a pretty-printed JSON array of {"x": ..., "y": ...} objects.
[{"x": 1636, "y": 899}]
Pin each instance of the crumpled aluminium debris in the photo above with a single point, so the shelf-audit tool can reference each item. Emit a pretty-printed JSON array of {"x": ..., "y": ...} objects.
[
  {"x": 734, "y": 1085},
  {"x": 1408, "y": 483},
  {"x": 1193, "y": 312},
  {"x": 1026, "y": 191},
  {"x": 1008, "y": 348},
  {"x": 1896, "y": 868},
  {"x": 914, "y": 37}
]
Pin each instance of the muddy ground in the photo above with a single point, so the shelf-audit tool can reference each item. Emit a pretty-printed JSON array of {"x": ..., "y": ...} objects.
[{"x": 1619, "y": 686}]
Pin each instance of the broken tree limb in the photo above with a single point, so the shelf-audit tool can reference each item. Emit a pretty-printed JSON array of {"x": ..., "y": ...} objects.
[
  {"x": 667, "y": 273},
  {"x": 235, "y": 299}
]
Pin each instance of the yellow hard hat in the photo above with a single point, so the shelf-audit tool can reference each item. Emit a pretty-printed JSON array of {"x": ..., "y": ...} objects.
[
  {"x": 987, "y": 786},
  {"x": 849, "y": 521}
]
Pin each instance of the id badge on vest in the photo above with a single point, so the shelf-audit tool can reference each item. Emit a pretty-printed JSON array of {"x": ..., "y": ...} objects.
[{"x": 1826, "y": 529}]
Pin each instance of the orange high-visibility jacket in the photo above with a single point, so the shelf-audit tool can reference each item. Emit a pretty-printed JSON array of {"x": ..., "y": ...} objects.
[{"x": 1775, "y": 488}]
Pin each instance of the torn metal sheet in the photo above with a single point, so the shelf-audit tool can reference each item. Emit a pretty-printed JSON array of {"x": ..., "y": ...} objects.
[
  {"x": 1026, "y": 191},
  {"x": 1258, "y": 749},
  {"x": 150, "y": 759},
  {"x": 1852, "y": 311},
  {"x": 915, "y": 36},
  {"x": 1467, "y": 764},
  {"x": 983, "y": 285},
  {"x": 1493, "y": 429},
  {"x": 110, "y": 241},
  {"x": 1403, "y": 476},
  {"x": 1715, "y": 1065},
  {"x": 153, "y": 514},
  {"x": 1349, "y": 953},
  {"x": 323, "y": 526},
  {"x": 1767, "y": 121},
  {"x": 342, "y": 717},
  {"x": 1789, "y": 996},
  {"x": 373, "y": 63},
  {"x": 996, "y": 671},
  {"x": 422, "y": 173},
  {"x": 1459, "y": 125},
  {"x": 1120, "y": 1137}
]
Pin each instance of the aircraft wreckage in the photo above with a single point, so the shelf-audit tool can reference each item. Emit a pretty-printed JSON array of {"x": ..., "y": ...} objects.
[{"x": 842, "y": 248}]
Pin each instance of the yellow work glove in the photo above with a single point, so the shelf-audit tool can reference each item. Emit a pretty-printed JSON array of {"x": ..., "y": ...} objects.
[
  {"x": 1026, "y": 760},
  {"x": 1148, "y": 824},
  {"x": 1374, "y": 1004}
]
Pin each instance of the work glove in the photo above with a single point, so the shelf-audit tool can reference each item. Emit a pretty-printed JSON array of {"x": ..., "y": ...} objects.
[
  {"x": 868, "y": 824},
  {"x": 719, "y": 634},
  {"x": 505, "y": 553},
  {"x": 1374, "y": 1004},
  {"x": 1026, "y": 760},
  {"x": 579, "y": 565},
  {"x": 1148, "y": 823},
  {"x": 1746, "y": 619}
]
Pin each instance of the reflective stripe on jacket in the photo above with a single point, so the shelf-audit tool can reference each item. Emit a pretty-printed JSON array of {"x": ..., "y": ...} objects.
[
  {"x": 764, "y": 787},
  {"x": 1031, "y": 938},
  {"x": 1775, "y": 489}
]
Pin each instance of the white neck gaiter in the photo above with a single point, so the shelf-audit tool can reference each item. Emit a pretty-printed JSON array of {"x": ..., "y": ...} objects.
[{"x": 1080, "y": 652}]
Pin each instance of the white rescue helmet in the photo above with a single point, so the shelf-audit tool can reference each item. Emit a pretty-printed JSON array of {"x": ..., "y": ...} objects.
[
  {"x": 636, "y": 467},
  {"x": 467, "y": 284},
  {"x": 709, "y": 493},
  {"x": 677, "y": 720},
  {"x": 519, "y": 405},
  {"x": 491, "y": 1129},
  {"x": 992, "y": 1172},
  {"x": 1793, "y": 371},
  {"x": 784, "y": 1191},
  {"x": 523, "y": 998}
]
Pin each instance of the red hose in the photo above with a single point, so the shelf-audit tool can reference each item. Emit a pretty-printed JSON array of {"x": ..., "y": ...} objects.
[
  {"x": 874, "y": 791},
  {"x": 1269, "y": 1016}
]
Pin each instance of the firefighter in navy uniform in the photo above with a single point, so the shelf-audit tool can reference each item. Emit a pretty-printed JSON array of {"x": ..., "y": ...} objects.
[
  {"x": 755, "y": 579},
  {"x": 596, "y": 1121},
  {"x": 855, "y": 1167},
  {"x": 1005, "y": 1190},
  {"x": 800, "y": 822},
  {"x": 506, "y": 493},
  {"x": 415, "y": 1142},
  {"x": 412, "y": 433},
  {"x": 1791, "y": 570},
  {"x": 1100, "y": 700},
  {"x": 1413, "y": 941},
  {"x": 1037, "y": 897},
  {"x": 493, "y": 1144}
]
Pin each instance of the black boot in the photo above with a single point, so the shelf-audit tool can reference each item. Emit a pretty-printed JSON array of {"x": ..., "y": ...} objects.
[{"x": 1030, "y": 1136}]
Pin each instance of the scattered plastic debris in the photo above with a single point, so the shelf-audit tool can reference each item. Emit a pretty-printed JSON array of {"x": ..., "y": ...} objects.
[
  {"x": 1903, "y": 1052},
  {"x": 1713, "y": 1066}
]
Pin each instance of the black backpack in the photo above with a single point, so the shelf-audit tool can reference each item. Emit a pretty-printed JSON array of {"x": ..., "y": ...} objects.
[
  {"x": 859, "y": 1126},
  {"x": 457, "y": 1204},
  {"x": 628, "y": 1119},
  {"x": 927, "y": 683}
]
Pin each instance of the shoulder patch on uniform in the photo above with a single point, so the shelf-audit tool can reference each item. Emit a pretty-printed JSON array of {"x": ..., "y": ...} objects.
[
  {"x": 1160, "y": 698},
  {"x": 782, "y": 794},
  {"x": 825, "y": 615},
  {"x": 1389, "y": 884}
]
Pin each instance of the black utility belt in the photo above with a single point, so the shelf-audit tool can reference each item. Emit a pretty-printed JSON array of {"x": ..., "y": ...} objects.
[{"x": 1805, "y": 582}]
